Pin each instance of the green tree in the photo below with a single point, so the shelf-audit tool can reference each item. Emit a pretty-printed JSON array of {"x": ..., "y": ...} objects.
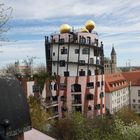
[
  {"x": 39, "y": 116},
  {"x": 128, "y": 116},
  {"x": 73, "y": 127},
  {"x": 43, "y": 77}
]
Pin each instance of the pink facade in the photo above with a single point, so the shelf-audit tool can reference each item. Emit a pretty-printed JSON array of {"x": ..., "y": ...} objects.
[{"x": 84, "y": 94}]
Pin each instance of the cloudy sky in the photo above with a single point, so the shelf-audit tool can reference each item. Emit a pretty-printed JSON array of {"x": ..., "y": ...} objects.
[{"x": 117, "y": 22}]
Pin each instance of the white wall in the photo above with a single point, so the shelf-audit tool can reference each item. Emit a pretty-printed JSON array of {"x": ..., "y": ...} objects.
[
  {"x": 117, "y": 99},
  {"x": 30, "y": 88},
  {"x": 134, "y": 96}
]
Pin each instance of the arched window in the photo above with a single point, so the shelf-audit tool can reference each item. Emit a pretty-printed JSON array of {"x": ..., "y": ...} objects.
[
  {"x": 89, "y": 72},
  {"x": 76, "y": 88}
]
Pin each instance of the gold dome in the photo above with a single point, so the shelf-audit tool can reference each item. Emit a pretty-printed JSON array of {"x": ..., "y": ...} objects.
[
  {"x": 90, "y": 25},
  {"x": 65, "y": 28},
  {"x": 84, "y": 30}
]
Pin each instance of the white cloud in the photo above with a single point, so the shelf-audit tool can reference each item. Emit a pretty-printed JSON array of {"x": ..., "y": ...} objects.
[
  {"x": 13, "y": 51},
  {"x": 47, "y": 9}
]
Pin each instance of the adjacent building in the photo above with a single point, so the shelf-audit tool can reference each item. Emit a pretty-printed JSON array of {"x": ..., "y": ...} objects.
[
  {"x": 133, "y": 77},
  {"x": 116, "y": 92},
  {"x": 76, "y": 59}
]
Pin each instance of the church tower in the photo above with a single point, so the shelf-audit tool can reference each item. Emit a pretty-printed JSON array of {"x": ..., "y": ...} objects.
[{"x": 113, "y": 61}]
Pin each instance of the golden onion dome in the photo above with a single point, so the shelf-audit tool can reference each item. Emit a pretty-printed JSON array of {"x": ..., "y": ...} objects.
[
  {"x": 65, "y": 28},
  {"x": 90, "y": 25},
  {"x": 84, "y": 30}
]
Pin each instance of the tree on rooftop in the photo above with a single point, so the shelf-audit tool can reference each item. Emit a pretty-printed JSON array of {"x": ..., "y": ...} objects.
[{"x": 43, "y": 78}]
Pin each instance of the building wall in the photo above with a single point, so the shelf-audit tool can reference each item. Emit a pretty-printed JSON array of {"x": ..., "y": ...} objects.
[
  {"x": 135, "y": 98},
  {"x": 73, "y": 57},
  {"x": 117, "y": 99},
  {"x": 84, "y": 104},
  {"x": 30, "y": 88}
]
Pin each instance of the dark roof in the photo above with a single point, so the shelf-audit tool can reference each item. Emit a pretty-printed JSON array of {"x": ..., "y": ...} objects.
[
  {"x": 13, "y": 106},
  {"x": 113, "y": 52}
]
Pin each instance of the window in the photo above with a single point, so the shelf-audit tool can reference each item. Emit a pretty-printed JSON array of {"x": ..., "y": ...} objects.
[
  {"x": 97, "y": 106},
  {"x": 134, "y": 106},
  {"x": 138, "y": 92},
  {"x": 90, "y": 85},
  {"x": 62, "y": 98},
  {"x": 102, "y": 83},
  {"x": 81, "y": 73},
  {"x": 76, "y": 88},
  {"x": 101, "y": 95},
  {"x": 55, "y": 86},
  {"x": 139, "y": 101},
  {"x": 134, "y": 100},
  {"x": 91, "y": 60},
  {"x": 88, "y": 40},
  {"x": 76, "y": 51},
  {"x": 89, "y": 107},
  {"x": 81, "y": 62},
  {"x": 62, "y": 86},
  {"x": 54, "y": 98},
  {"x": 82, "y": 40},
  {"x": 97, "y": 62},
  {"x": 89, "y": 72},
  {"x": 61, "y": 40},
  {"x": 63, "y": 51},
  {"x": 66, "y": 73},
  {"x": 96, "y": 53},
  {"x": 35, "y": 88},
  {"x": 62, "y": 63},
  {"x": 98, "y": 84},
  {"x": 76, "y": 99},
  {"x": 53, "y": 53},
  {"x": 89, "y": 96},
  {"x": 85, "y": 51}
]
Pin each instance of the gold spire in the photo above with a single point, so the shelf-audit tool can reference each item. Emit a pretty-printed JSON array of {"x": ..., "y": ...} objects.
[
  {"x": 65, "y": 28},
  {"x": 90, "y": 25}
]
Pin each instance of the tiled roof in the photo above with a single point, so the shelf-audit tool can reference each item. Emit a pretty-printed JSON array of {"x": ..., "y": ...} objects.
[
  {"x": 133, "y": 77},
  {"x": 114, "y": 82}
]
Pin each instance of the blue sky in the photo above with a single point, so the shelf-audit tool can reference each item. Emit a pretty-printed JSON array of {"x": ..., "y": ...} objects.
[{"x": 117, "y": 22}]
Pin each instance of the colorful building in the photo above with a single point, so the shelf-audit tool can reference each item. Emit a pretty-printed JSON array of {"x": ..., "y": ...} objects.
[{"x": 76, "y": 58}]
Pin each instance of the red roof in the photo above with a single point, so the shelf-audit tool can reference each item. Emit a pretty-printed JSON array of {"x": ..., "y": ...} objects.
[
  {"x": 133, "y": 77},
  {"x": 114, "y": 82}
]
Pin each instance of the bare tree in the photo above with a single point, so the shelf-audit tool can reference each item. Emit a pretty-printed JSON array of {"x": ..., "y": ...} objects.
[
  {"x": 11, "y": 69},
  {"x": 29, "y": 65},
  {"x": 5, "y": 15}
]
